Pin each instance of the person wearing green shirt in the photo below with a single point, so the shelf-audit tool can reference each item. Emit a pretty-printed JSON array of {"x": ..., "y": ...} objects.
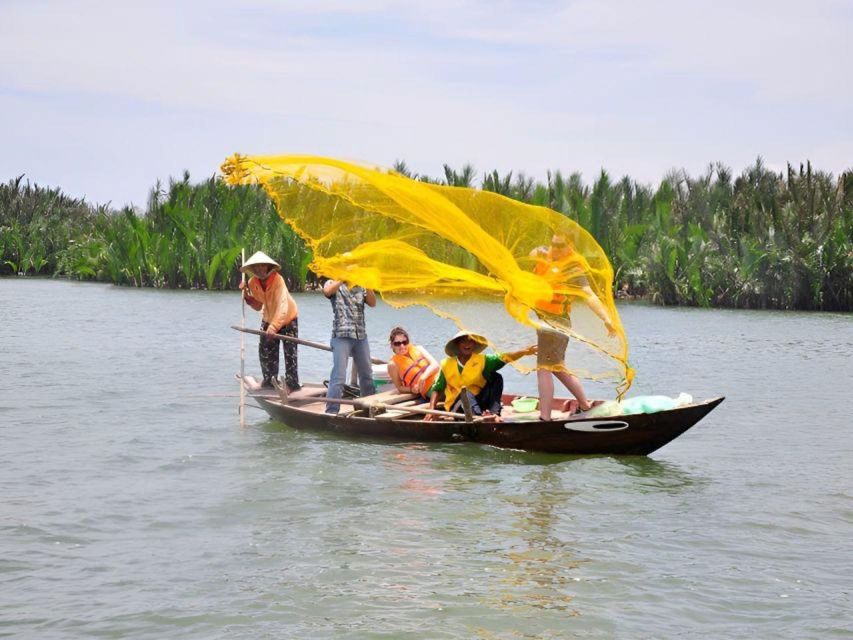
[{"x": 468, "y": 370}]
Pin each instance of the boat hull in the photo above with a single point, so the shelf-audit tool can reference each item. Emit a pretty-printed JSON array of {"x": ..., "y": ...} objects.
[{"x": 639, "y": 434}]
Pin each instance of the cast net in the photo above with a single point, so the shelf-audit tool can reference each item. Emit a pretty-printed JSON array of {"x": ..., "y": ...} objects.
[{"x": 493, "y": 265}]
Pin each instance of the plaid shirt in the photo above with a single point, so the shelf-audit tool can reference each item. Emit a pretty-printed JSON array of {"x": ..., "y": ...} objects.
[{"x": 348, "y": 307}]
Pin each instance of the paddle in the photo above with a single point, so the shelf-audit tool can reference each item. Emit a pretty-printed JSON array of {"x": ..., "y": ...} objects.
[{"x": 307, "y": 343}]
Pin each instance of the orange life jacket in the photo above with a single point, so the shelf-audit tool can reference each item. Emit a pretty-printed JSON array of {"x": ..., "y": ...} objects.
[
  {"x": 553, "y": 270},
  {"x": 412, "y": 365}
]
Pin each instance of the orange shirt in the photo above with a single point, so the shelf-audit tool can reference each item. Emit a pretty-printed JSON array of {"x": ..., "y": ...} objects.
[{"x": 279, "y": 306}]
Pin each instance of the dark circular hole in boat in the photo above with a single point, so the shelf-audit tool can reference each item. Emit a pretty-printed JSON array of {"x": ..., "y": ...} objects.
[{"x": 607, "y": 426}]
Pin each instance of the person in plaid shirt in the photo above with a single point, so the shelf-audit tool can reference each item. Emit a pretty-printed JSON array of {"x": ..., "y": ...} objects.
[{"x": 349, "y": 338}]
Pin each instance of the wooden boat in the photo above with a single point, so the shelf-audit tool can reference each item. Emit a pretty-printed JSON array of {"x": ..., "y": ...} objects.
[{"x": 392, "y": 416}]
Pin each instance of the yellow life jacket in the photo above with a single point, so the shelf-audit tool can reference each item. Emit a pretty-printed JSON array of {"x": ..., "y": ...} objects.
[
  {"x": 412, "y": 366},
  {"x": 471, "y": 376}
]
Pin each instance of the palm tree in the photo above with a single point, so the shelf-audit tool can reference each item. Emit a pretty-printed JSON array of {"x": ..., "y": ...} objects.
[{"x": 464, "y": 178}]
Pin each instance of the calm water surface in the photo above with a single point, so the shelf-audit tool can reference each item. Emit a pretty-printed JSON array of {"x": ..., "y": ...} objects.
[{"x": 134, "y": 505}]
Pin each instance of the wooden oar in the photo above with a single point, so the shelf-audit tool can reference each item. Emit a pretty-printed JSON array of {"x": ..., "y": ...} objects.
[{"x": 307, "y": 343}]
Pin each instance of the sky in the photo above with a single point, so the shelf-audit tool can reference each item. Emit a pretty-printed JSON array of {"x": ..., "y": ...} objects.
[{"x": 102, "y": 98}]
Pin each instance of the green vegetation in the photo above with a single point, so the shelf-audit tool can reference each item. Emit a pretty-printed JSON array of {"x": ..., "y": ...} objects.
[
  {"x": 190, "y": 236},
  {"x": 760, "y": 240}
]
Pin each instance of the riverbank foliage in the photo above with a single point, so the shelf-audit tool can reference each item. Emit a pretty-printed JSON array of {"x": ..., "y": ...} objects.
[
  {"x": 758, "y": 240},
  {"x": 189, "y": 236}
]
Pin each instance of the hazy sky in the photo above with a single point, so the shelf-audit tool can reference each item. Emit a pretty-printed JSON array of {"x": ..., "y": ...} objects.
[{"x": 103, "y": 98}]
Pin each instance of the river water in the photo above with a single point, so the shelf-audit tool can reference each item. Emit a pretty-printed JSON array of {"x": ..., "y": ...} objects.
[{"x": 135, "y": 506}]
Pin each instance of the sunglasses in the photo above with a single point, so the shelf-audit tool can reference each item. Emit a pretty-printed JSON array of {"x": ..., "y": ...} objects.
[{"x": 400, "y": 343}]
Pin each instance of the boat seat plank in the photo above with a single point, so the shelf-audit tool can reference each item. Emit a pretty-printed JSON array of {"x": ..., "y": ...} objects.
[
  {"x": 396, "y": 414},
  {"x": 307, "y": 392},
  {"x": 399, "y": 410},
  {"x": 386, "y": 397},
  {"x": 320, "y": 407}
]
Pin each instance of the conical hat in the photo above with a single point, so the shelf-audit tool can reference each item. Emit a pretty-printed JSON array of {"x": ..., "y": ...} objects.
[
  {"x": 257, "y": 258},
  {"x": 452, "y": 350}
]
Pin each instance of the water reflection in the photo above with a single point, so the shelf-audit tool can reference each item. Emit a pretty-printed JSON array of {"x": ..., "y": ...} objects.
[
  {"x": 540, "y": 564},
  {"x": 464, "y": 454},
  {"x": 472, "y": 455},
  {"x": 418, "y": 478},
  {"x": 658, "y": 475},
  {"x": 487, "y": 453}
]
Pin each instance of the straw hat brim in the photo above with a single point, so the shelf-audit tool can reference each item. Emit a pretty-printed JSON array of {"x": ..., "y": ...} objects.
[
  {"x": 452, "y": 350},
  {"x": 258, "y": 258}
]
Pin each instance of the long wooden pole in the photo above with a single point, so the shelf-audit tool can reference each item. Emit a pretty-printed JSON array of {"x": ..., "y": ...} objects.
[
  {"x": 243, "y": 343},
  {"x": 364, "y": 404},
  {"x": 307, "y": 343}
]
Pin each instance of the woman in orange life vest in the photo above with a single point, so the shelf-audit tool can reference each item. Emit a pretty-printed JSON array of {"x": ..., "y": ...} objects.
[
  {"x": 412, "y": 368},
  {"x": 552, "y": 345},
  {"x": 466, "y": 367}
]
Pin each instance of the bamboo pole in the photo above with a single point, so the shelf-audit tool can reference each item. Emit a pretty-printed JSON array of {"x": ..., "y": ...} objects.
[
  {"x": 307, "y": 343},
  {"x": 242, "y": 342},
  {"x": 364, "y": 404}
]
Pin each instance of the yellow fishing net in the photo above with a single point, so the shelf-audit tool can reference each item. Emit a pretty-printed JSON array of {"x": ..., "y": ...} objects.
[{"x": 495, "y": 266}]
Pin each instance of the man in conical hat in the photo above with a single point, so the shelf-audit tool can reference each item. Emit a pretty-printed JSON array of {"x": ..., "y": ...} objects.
[
  {"x": 468, "y": 370},
  {"x": 266, "y": 292}
]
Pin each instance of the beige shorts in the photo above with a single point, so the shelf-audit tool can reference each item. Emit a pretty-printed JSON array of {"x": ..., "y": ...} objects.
[{"x": 552, "y": 348}]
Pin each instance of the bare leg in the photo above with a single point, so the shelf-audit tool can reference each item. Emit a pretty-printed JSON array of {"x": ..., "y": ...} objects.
[
  {"x": 546, "y": 393},
  {"x": 573, "y": 384}
]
